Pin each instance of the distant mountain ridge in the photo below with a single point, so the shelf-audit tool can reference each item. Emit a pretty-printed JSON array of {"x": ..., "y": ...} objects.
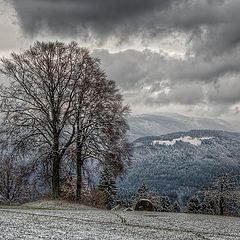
[{"x": 162, "y": 123}]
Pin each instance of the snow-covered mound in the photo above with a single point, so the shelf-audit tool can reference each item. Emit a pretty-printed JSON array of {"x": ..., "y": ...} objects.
[
  {"x": 159, "y": 124},
  {"x": 182, "y": 163}
]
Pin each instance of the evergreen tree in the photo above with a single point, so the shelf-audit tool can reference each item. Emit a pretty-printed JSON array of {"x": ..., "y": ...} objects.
[
  {"x": 165, "y": 204},
  {"x": 176, "y": 207},
  {"x": 208, "y": 206},
  {"x": 143, "y": 192},
  {"x": 107, "y": 184},
  {"x": 194, "y": 205}
]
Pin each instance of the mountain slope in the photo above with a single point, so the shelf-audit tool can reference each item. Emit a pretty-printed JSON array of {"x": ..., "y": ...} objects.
[
  {"x": 182, "y": 163},
  {"x": 158, "y": 124}
]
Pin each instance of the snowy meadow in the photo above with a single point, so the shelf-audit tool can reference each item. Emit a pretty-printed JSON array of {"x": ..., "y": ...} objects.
[{"x": 79, "y": 222}]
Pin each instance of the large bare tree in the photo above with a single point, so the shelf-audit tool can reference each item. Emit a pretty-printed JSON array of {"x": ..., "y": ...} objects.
[
  {"x": 40, "y": 100},
  {"x": 58, "y": 96},
  {"x": 101, "y": 122}
]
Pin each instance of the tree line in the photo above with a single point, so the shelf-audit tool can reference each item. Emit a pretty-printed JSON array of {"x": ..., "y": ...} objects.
[{"x": 220, "y": 197}]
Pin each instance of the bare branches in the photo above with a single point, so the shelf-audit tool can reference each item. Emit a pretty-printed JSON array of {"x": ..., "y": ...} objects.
[
  {"x": 58, "y": 95},
  {"x": 40, "y": 102}
]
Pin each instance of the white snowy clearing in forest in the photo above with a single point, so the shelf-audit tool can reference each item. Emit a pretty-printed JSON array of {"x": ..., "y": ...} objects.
[{"x": 187, "y": 139}]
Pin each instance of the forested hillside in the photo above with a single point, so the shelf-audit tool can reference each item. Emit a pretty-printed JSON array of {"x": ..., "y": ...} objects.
[{"x": 179, "y": 164}]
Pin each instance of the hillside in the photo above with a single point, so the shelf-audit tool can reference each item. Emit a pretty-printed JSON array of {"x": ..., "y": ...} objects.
[
  {"x": 163, "y": 123},
  {"x": 182, "y": 163}
]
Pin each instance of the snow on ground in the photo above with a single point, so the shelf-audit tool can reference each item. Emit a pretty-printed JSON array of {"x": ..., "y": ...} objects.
[
  {"x": 29, "y": 222},
  {"x": 187, "y": 139}
]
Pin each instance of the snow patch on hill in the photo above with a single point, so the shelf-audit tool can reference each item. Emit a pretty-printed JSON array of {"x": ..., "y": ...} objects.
[{"x": 186, "y": 139}]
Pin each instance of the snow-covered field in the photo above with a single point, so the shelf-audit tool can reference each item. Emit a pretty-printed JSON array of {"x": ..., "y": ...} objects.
[{"x": 84, "y": 223}]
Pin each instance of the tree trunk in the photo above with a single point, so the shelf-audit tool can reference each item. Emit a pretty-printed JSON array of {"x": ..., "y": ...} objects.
[
  {"x": 56, "y": 172},
  {"x": 221, "y": 205},
  {"x": 221, "y": 199},
  {"x": 79, "y": 171},
  {"x": 56, "y": 179},
  {"x": 8, "y": 186}
]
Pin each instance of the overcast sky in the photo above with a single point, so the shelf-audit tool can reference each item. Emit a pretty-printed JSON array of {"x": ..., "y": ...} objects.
[{"x": 166, "y": 55}]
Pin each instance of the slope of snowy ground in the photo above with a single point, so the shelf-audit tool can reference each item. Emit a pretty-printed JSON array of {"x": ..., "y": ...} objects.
[{"x": 85, "y": 223}]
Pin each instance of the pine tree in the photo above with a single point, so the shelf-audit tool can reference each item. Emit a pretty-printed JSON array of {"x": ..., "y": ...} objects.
[
  {"x": 176, "y": 207},
  {"x": 107, "y": 184},
  {"x": 208, "y": 206},
  {"x": 143, "y": 192},
  {"x": 165, "y": 204},
  {"x": 194, "y": 205}
]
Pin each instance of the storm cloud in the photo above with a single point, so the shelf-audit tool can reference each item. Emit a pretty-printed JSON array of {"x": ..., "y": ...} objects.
[
  {"x": 210, "y": 26},
  {"x": 181, "y": 55},
  {"x": 161, "y": 80},
  {"x": 89, "y": 17},
  {"x": 152, "y": 69}
]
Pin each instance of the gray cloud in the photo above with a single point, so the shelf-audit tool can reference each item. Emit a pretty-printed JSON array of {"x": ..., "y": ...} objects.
[
  {"x": 185, "y": 94},
  {"x": 88, "y": 17},
  {"x": 207, "y": 70},
  {"x": 211, "y": 26},
  {"x": 205, "y": 78},
  {"x": 220, "y": 32},
  {"x": 226, "y": 91},
  {"x": 135, "y": 69},
  {"x": 157, "y": 79}
]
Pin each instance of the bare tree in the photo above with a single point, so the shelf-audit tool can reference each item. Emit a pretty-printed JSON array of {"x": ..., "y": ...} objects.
[
  {"x": 58, "y": 95},
  {"x": 40, "y": 100},
  {"x": 222, "y": 194},
  {"x": 101, "y": 123},
  {"x": 14, "y": 176}
]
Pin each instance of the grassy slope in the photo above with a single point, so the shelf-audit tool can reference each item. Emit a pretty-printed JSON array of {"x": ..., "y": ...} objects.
[{"x": 59, "y": 220}]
